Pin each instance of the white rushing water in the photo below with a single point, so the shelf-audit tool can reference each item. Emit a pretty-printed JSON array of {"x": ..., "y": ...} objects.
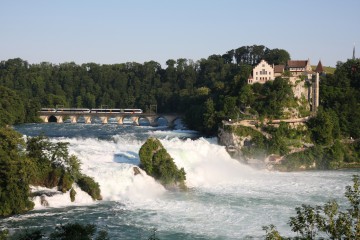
[{"x": 226, "y": 199}]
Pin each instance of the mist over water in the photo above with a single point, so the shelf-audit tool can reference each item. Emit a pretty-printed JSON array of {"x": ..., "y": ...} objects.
[{"x": 226, "y": 199}]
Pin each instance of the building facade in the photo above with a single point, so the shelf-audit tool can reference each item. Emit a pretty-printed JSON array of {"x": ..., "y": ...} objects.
[
  {"x": 299, "y": 73},
  {"x": 262, "y": 73}
]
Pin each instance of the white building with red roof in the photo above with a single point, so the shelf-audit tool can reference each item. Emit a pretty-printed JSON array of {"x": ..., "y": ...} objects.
[{"x": 262, "y": 73}]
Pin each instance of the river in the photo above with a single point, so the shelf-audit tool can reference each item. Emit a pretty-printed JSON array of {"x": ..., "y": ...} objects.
[{"x": 226, "y": 199}]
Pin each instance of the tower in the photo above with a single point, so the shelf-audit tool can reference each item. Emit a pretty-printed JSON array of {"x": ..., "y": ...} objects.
[
  {"x": 353, "y": 52},
  {"x": 315, "y": 94}
]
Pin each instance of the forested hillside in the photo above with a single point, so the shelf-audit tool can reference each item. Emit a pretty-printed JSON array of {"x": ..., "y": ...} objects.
[{"x": 206, "y": 90}]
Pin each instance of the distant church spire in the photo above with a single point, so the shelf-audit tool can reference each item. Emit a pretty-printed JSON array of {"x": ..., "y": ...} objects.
[{"x": 354, "y": 52}]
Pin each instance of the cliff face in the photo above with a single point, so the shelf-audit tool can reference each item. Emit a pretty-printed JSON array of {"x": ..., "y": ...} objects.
[
  {"x": 283, "y": 148},
  {"x": 233, "y": 142},
  {"x": 244, "y": 144}
]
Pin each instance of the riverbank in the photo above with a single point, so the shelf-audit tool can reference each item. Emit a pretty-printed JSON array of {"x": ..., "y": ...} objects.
[{"x": 284, "y": 148}]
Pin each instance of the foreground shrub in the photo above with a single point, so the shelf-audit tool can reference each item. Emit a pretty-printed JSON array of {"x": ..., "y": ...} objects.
[{"x": 325, "y": 222}]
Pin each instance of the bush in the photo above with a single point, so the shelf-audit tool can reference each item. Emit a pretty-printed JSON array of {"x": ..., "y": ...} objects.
[
  {"x": 319, "y": 221},
  {"x": 72, "y": 194},
  {"x": 66, "y": 182},
  {"x": 69, "y": 231},
  {"x": 338, "y": 155}
]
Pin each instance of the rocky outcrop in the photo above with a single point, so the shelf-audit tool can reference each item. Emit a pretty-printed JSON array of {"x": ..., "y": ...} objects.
[
  {"x": 43, "y": 201},
  {"x": 233, "y": 142},
  {"x": 136, "y": 171},
  {"x": 156, "y": 162},
  {"x": 238, "y": 140}
]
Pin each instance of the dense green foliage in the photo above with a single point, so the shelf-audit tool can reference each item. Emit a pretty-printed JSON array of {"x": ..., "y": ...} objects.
[
  {"x": 325, "y": 222},
  {"x": 51, "y": 164},
  {"x": 204, "y": 91},
  {"x": 69, "y": 231},
  {"x": 335, "y": 156},
  {"x": 36, "y": 162},
  {"x": 11, "y": 107},
  {"x": 269, "y": 139},
  {"x": 14, "y": 174},
  {"x": 340, "y": 98},
  {"x": 78, "y": 231},
  {"x": 156, "y": 162},
  {"x": 272, "y": 98}
]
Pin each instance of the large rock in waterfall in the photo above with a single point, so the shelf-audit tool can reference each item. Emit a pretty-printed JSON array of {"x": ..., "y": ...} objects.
[{"x": 156, "y": 162}]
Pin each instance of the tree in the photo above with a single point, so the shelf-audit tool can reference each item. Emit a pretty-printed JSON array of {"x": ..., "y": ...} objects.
[
  {"x": 246, "y": 96},
  {"x": 277, "y": 56},
  {"x": 14, "y": 174},
  {"x": 74, "y": 231},
  {"x": 69, "y": 231},
  {"x": 322, "y": 127},
  {"x": 326, "y": 221},
  {"x": 53, "y": 166},
  {"x": 11, "y": 107},
  {"x": 209, "y": 116}
]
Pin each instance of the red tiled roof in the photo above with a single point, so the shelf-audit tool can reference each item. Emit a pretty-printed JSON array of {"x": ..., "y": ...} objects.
[
  {"x": 297, "y": 63},
  {"x": 279, "y": 68},
  {"x": 319, "y": 68}
]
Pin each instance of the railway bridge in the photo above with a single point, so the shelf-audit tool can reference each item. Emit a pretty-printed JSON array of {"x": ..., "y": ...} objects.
[{"x": 88, "y": 117}]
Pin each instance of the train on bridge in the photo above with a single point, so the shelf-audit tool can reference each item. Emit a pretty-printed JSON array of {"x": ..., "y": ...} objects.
[
  {"x": 91, "y": 110},
  {"x": 60, "y": 114}
]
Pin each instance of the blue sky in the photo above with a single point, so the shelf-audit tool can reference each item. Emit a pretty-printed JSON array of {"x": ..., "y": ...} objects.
[{"x": 118, "y": 31}]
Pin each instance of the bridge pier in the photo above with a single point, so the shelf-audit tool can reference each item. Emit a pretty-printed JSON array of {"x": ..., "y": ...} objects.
[
  {"x": 152, "y": 121},
  {"x": 135, "y": 121},
  {"x": 104, "y": 120},
  {"x": 59, "y": 119},
  {"x": 45, "y": 119},
  {"x": 87, "y": 119},
  {"x": 120, "y": 120},
  {"x": 73, "y": 119},
  {"x": 171, "y": 120}
]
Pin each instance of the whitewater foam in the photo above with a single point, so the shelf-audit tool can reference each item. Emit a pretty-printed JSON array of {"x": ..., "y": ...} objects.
[
  {"x": 226, "y": 199},
  {"x": 59, "y": 199}
]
